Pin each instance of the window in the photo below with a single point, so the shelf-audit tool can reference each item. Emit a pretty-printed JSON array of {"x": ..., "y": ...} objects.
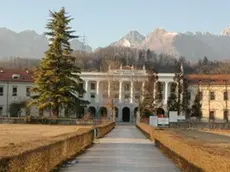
[
  {"x": 93, "y": 86},
  {"x": 160, "y": 86},
  {"x": 200, "y": 95},
  {"x": 212, "y": 95},
  {"x": 137, "y": 96},
  {"x": 173, "y": 87},
  {"x": 116, "y": 96},
  {"x": 80, "y": 95},
  {"x": 1, "y": 90},
  {"x": 211, "y": 115},
  {"x": 81, "y": 85},
  {"x": 14, "y": 91},
  {"x": 1, "y": 110},
  {"x": 226, "y": 115},
  {"x": 105, "y": 95},
  {"x": 127, "y": 96},
  {"x": 92, "y": 96},
  {"x": 127, "y": 87},
  {"x": 188, "y": 95},
  {"x": 27, "y": 91},
  {"x": 27, "y": 111},
  {"x": 225, "y": 95}
]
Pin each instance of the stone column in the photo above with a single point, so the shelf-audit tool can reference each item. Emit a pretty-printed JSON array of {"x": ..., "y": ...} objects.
[
  {"x": 86, "y": 96},
  {"x": 97, "y": 91},
  {"x": 166, "y": 93},
  {"x": 120, "y": 91},
  {"x": 131, "y": 92},
  {"x": 142, "y": 90},
  {"x": 109, "y": 84}
]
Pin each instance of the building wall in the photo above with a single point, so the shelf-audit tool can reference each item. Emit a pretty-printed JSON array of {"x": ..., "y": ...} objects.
[
  {"x": 218, "y": 105},
  {"x": 7, "y": 97}
]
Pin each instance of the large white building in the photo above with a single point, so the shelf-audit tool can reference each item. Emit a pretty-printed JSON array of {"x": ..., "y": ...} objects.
[{"x": 121, "y": 87}]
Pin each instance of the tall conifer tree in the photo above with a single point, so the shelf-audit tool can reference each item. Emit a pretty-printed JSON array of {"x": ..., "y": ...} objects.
[{"x": 57, "y": 78}]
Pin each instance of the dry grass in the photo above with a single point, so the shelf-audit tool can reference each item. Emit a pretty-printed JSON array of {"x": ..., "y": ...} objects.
[
  {"x": 215, "y": 144},
  {"x": 217, "y": 131},
  {"x": 16, "y": 138},
  {"x": 208, "y": 151}
]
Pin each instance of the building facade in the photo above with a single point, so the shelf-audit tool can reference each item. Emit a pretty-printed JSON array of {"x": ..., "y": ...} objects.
[
  {"x": 121, "y": 89},
  {"x": 214, "y": 94}
]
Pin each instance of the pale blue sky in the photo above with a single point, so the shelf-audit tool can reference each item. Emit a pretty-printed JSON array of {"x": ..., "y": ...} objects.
[{"x": 104, "y": 21}]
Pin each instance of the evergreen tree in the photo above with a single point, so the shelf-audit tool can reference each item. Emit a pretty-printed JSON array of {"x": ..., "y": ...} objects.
[
  {"x": 196, "y": 107},
  {"x": 186, "y": 97},
  {"x": 172, "y": 103},
  {"x": 56, "y": 79},
  {"x": 179, "y": 80},
  {"x": 147, "y": 105}
]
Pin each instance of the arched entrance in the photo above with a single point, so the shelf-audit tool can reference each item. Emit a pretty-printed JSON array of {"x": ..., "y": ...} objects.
[
  {"x": 116, "y": 112},
  {"x": 126, "y": 114},
  {"x": 160, "y": 111},
  {"x": 92, "y": 111},
  {"x": 80, "y": 112},
  {"x": 103, "y": 112}
]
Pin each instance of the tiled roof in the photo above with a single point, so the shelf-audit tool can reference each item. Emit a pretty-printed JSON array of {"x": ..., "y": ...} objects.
[
  {"x": 209, "y": 78},
  {"x": 16, "y": 75}
]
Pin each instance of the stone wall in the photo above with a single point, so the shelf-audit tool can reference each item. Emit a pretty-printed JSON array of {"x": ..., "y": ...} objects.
[
  {"x": 47, "y": 157},
  {"x": 199, "y": 125}
]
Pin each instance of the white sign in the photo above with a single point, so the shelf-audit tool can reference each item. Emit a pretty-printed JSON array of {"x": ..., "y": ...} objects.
[
  {"x": 153, "y": 121},
  {"x": 163, "y": 121},
  {"x": 181, "y": 118},
  {"x": 173, "y": 117}
]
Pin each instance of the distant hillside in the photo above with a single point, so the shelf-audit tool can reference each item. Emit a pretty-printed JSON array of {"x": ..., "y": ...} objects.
[
  {"x": 190, "y": 45},
  {"x": 28, "y": 44}
]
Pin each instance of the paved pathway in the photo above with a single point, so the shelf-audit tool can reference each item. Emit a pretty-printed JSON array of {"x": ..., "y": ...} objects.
[{"x": 125, "y": 149}]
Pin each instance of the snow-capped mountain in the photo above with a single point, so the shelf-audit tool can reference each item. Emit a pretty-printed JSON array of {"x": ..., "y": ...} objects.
[
  {"x": 226, "y": 31},
  {"x": 190, "y": 45},
  {"x": 132, "y": 39},
  {"x": 159, "y": 40}
]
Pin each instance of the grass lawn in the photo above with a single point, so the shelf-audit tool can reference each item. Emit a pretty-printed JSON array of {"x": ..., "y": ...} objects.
[
  {"x": 17, "y": 138},
  {"x": 212, "y": 142}
]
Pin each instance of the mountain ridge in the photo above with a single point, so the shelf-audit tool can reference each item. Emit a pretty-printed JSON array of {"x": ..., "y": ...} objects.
[
  {"x": 29, "y": 44},
  {"x": 191, "y": 45}
]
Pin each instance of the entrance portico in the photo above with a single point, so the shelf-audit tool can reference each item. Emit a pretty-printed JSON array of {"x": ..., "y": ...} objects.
[{"x": 121, "y": 89}]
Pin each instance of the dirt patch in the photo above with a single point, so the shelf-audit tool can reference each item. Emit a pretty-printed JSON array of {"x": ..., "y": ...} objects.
[{"x": 17, "y": 138}]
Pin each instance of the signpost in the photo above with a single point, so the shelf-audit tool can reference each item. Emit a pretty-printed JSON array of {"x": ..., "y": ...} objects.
[
  {"x": 153, "y": 121},
  {"x": 163, "y": 122},
  {"x": 173, "y": 117}
]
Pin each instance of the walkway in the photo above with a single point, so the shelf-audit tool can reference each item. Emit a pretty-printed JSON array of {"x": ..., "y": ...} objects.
[{"x": 125, "y": 149}]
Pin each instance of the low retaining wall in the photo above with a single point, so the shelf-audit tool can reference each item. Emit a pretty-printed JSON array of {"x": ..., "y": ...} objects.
[
  {"x": 102, "y": 130},
  {"x": 39, "y": 120},
  {"x": 185, "y": 156},
  {"x": 47, "y": 157}
]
